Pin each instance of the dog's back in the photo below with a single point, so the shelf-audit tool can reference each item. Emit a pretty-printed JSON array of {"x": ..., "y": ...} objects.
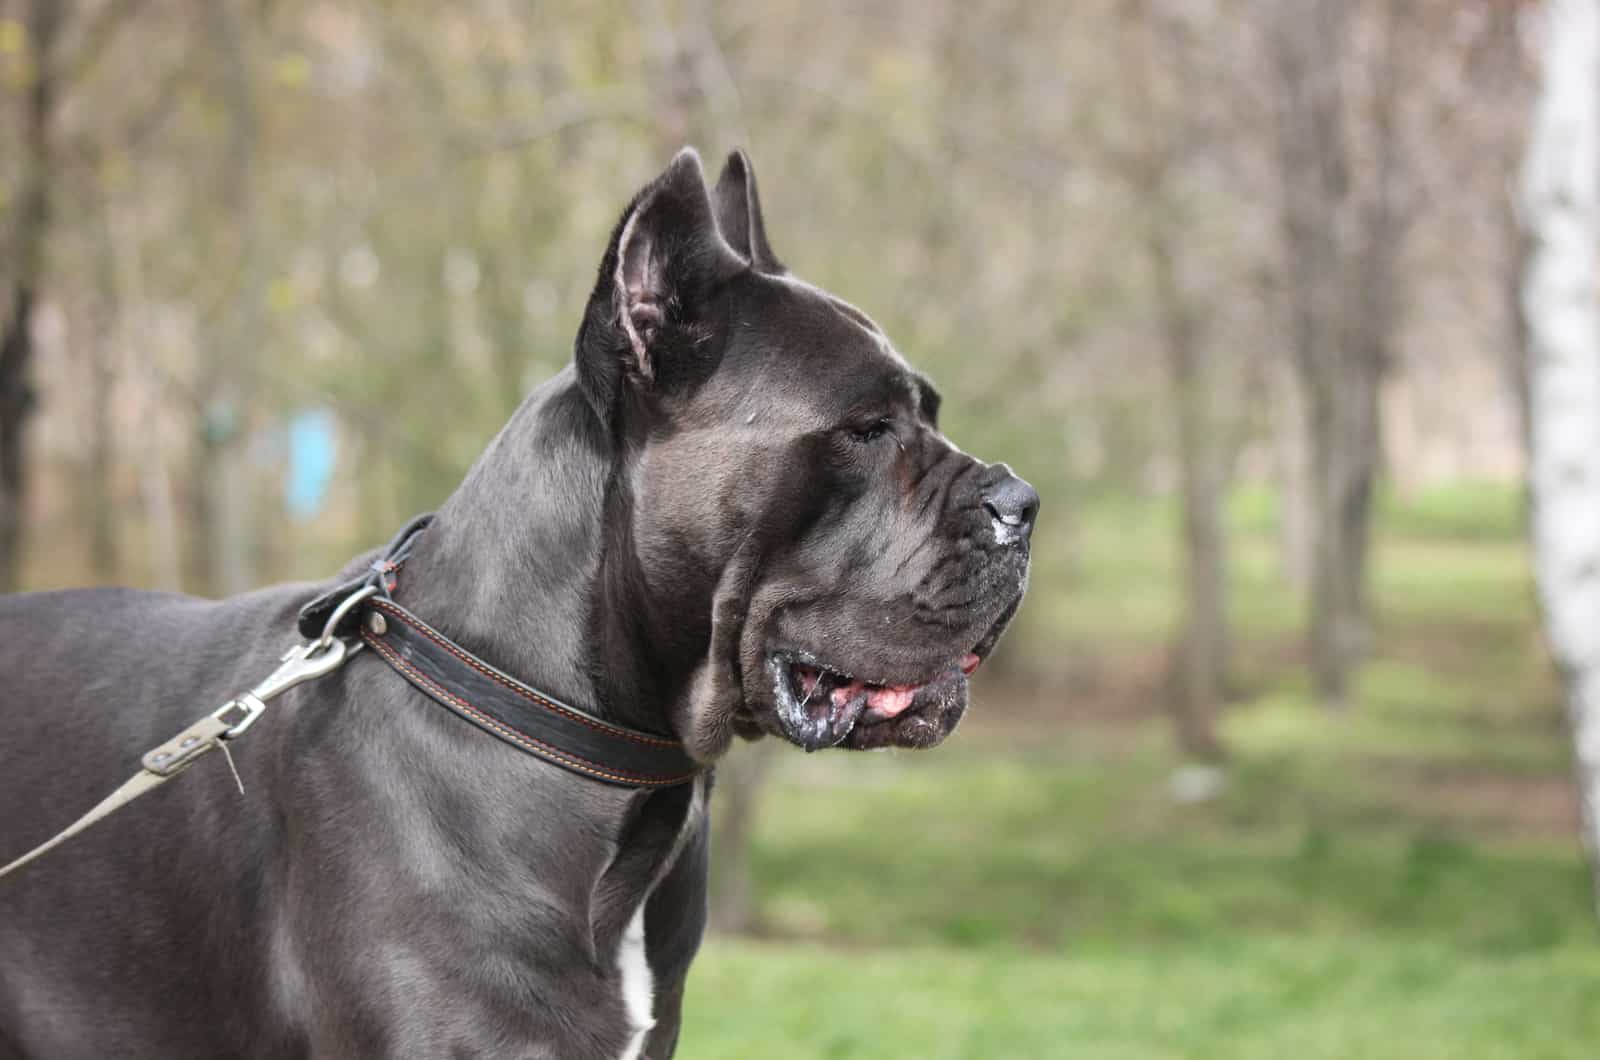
[{"x": 89, "y": 934}]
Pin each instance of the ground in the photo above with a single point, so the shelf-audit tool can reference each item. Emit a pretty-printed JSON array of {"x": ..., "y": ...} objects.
[{"x": 1402, "y": 879}]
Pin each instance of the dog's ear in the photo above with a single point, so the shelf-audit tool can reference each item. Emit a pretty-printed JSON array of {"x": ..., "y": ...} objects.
[
  {"x": 739, "y": 214},
  {"x": 665, "y": 260}
]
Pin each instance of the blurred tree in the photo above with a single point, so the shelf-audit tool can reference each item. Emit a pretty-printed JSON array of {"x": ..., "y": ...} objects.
[
  {"x": 1499, "y": 68},
  {"x": 739, "y": 780},
  {"x": 1561, "y": 195},
  {"x": 70, "y": 135},
  {"x": 1162, "y": 86},
  {"x": 1340, "y": 180},
  {"x": 25, "y": 266},
  {"x": 98, "y": 352},
  {"x": 221, "y": 555}
]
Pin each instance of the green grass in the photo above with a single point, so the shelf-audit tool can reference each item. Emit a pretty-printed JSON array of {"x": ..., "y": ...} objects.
[
  {"x": 1401, "y": 879},
  {"x": 1009, "y": 897},
  {"x": 1326, "y": 999},
  {"x": 1051, "y": 845},
  {"x": 1466, "y": 511}
]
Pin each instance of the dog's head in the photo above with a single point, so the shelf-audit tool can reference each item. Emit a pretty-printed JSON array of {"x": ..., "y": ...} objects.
[{"x": 795, "y": 511}]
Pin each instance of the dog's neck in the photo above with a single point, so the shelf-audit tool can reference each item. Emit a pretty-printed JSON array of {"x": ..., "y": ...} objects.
[{"x": 529, "y": 565}]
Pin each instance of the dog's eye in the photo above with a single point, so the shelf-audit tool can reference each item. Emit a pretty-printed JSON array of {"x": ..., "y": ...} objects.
[{"x": 869, "y": 432}]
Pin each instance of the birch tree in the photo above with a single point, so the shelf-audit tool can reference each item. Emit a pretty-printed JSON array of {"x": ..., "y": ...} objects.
[{"x": 1561, "y": 204}]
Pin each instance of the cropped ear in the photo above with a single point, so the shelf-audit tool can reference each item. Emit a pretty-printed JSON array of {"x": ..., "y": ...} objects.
[
  {"x": 649, "y": 304},
  {"x": 739, "y": 214}
]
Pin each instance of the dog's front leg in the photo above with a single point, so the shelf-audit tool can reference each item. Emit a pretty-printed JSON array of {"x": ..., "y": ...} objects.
[{"x": 675, "y": 922}]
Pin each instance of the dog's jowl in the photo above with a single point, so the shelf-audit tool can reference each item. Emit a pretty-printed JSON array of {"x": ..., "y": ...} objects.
[{"x": 733, "y": 514}]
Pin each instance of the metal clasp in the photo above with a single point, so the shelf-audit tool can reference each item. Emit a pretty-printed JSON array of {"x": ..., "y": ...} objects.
[
  {"x": 300, "y": 663},
  {"x": 343, "y": 609}
]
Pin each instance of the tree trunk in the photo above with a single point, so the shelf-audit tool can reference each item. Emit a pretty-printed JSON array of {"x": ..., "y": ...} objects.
[
  {"x": 223, "y": 556},
  {"x": 1561, "y": 195},
  {"x": 16, "y": 334},
  {"x": 1290, "y": 436},
  {"x": 1202, "y": 640},
  {"x": 97, "y": 503},
  {"x": 1339, "y": 245},
  {"x": 1203, "y": 645},
  {"x": 104, "y": 553},
  {"x": 1329, "y": 621},
  {"x": 1159, "y": 66},
  {"x": 16, "y": 404},
  {"x": 1517, "y": 249},
  {"x": 740, "y": 778},
  {"x": 155, "y": 488},
  {"x": 1344, "y": 463}
]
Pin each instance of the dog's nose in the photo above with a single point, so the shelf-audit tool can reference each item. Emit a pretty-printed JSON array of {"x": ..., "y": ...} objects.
[{"x": 1012, "y": 505}]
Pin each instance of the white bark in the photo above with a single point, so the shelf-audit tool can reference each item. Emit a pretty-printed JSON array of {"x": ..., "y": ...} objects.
[{"x": 1561, "y": 294}]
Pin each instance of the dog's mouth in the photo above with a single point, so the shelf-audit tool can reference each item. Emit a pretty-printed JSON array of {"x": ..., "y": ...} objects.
[
  {"x": 823, "y": 705},
  {"x": 896, "y": 696}
]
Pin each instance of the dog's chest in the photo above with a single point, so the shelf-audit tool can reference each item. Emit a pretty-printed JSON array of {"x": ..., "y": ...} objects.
[
  {"x": 636, "y": 979},
  {"x": 638, "y": 984}
]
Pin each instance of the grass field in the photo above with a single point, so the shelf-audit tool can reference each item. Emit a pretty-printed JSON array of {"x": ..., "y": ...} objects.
[
  {"x": 1402, "y": 880},
  {"x": 1267, "y": 998}
]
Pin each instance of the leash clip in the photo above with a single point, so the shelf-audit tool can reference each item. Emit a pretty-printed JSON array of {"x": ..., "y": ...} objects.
[{"x": 301, "y": 663}]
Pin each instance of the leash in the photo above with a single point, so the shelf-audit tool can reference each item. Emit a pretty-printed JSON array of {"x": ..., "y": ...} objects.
[
  {"x": 362, "y": 612},
  {"x": 160, "y": 764}
]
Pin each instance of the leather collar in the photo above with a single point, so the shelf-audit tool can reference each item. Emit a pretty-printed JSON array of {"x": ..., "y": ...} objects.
[{"x": 495, "y": 702}]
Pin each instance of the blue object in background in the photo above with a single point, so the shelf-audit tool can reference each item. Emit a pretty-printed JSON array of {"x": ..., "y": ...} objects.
[{"x": 313, "y": 451}]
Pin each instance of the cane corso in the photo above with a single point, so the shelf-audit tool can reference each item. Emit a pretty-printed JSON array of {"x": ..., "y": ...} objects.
[{"x": 733, "y": 514}]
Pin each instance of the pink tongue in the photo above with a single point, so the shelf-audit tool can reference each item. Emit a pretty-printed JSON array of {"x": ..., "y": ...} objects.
[
  {"x": 887, "y": 701},
  {"x": 845, "y": 693},
  {"x": 891, "y": 701},
  {"x": 969, "y": 662}
]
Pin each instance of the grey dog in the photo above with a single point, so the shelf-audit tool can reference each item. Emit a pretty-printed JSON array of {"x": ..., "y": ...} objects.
[{"x": 733, "y": 514}]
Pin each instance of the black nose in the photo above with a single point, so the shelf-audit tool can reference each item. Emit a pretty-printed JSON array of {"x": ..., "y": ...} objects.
[{"x": 1013, "y": 504}]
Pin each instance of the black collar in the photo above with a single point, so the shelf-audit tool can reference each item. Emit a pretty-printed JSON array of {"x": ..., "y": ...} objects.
[{"x": 493, "y": 701}]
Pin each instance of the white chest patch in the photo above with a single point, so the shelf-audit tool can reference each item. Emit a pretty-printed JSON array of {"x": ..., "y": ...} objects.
[
  {"x": 633, "y": 966},
  {"x": 638, "y": 985}
]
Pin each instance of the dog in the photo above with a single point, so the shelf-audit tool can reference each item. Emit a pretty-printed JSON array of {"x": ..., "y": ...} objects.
[{"x": 732, "y": 515}]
